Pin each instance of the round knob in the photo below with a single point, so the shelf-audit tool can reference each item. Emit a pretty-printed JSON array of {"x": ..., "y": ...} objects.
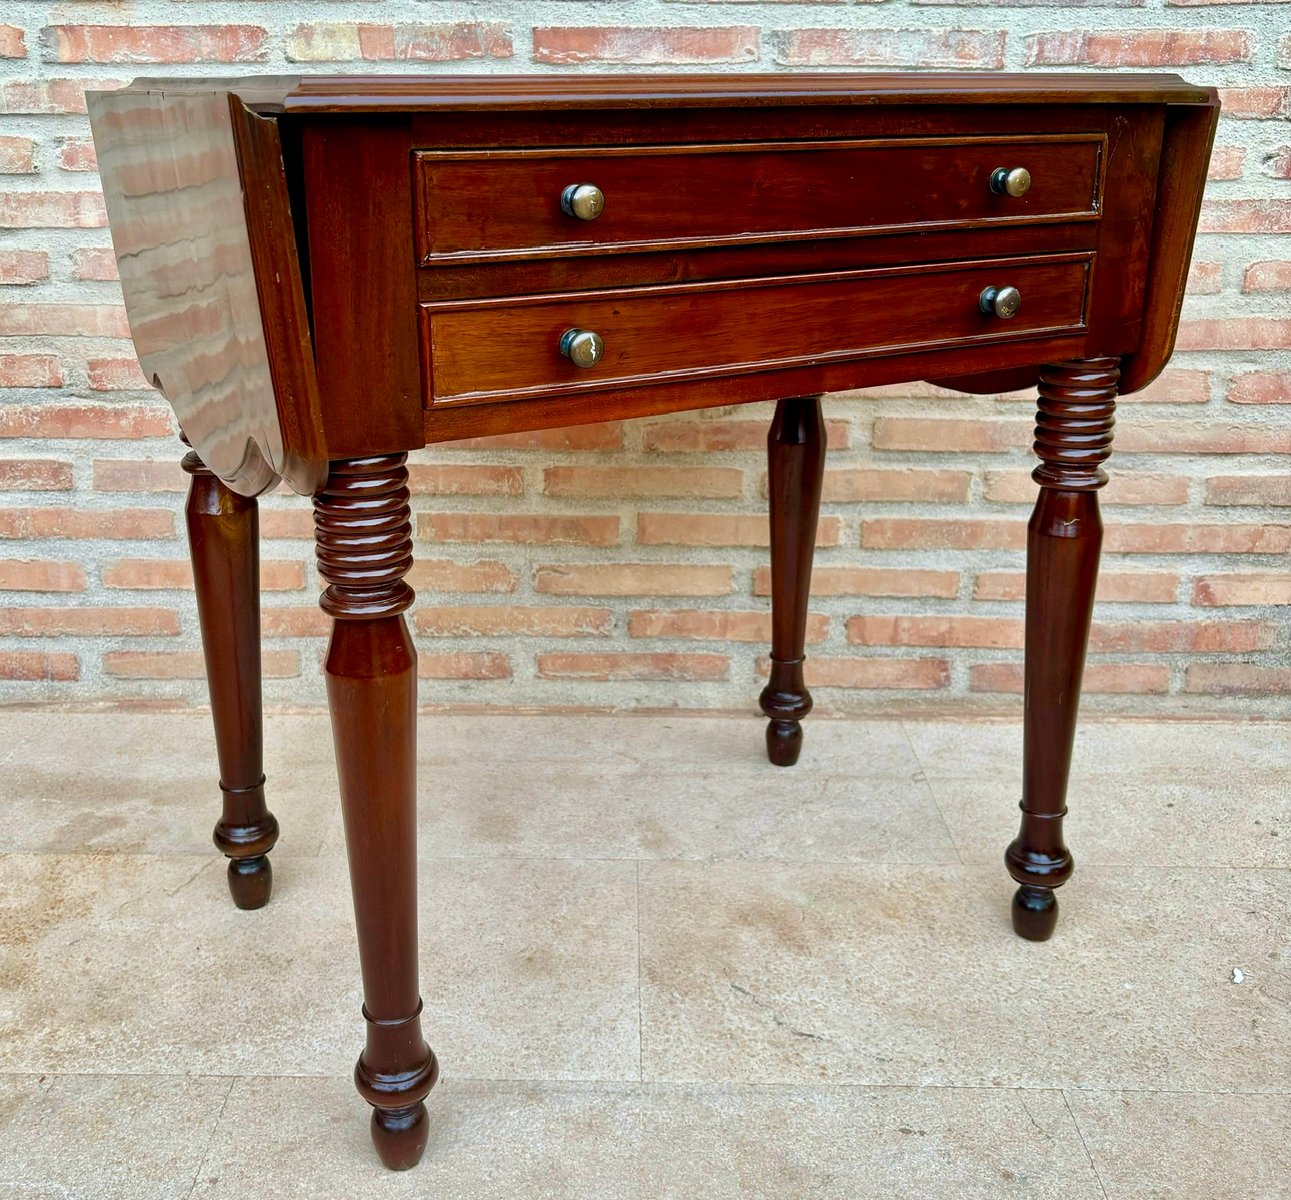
[
  {"x": 1001, "y": 302},
  {"x": 1011, "y": 182},
  {"x": 583, "y": 200},
  {"x": 582, "y": 347}
]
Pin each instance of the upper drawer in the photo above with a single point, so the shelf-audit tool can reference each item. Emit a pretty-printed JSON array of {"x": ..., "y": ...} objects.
[{"x": 507, "y": 203}]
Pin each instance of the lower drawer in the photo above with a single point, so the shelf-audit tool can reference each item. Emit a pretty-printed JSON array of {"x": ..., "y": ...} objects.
[{"x": 510, "y": 348}]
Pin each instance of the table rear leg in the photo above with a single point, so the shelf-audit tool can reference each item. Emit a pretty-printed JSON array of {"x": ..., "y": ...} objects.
[{"x": 224, "y": 543}]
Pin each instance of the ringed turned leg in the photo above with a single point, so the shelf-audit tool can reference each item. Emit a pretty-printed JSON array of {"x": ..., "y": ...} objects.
[
  {"x": 1073, "y": 438},
  {"x": 364, "y": 539},
  {"x": 795, "y": 465},
  {"x": 224, "y": 543}
]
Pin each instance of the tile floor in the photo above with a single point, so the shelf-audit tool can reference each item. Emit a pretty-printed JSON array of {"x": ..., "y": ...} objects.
[{"x": 655, "y": 966}]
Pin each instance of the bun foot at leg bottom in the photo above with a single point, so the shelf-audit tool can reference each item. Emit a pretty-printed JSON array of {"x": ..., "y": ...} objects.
[
  {"x": 400, "y": 1134},
  {"x": 250, "y": 881},
  {"x": 1035, "y": 913},
  {"x": 784, "y": 742}
]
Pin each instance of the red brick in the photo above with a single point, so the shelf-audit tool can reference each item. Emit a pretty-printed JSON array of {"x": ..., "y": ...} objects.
[
  {"x": 1277, "y": 164},
  {"x": 714, "y": 624},
  {"x": 95, "y": 262},
  {"x": 85, "y": 421},
  {"x": 916, "y": 533},
  {"x": 51, "y": 96},
  {"x": 1253, "y": 103},
  {"x": 24, "y": 575},
  {"x": 293, "y": 523},
  {"x": 1200, "y": 437},
  {"x": 955, "y": 48},
  {"x": 719, "y": 529},
  {"x": 1157, "y": 587},
  {"x": 631, "y": 579},
  {"x": 52, "y": 210},
  {"x": 890, "y": 674},
  {"x": 907, "y": 484},
  {"x": 686, "y": 482},
  {"x": 35, "y": 475},
  {"x": 1267, "y": 277},
  {"x": 464, "y": 665},
  {"x": 446, "y": 41},
  {"x": 996, "y": 633},
  {"x": 1237, "y": 679},
  {"x": 572, "y": 46},
  {"x": 693, "y": 435},
  {"x": 1173, "y": 386},
  {"x": 23, "y": 266},
  {"x": 870, "y": 581},
  {"x": 1217, "y": 591},
  {"x": 29, "y": 371},
  {"x": 1261, "y": 490},
  {"x": 1245, "y": 216},
  {"x": 508, "y": 620},
  {"x": 444, "y": 575},
  {"x": 189, "y": 664},
  {"x": 604, "y": 668},
  {"x": 1195, "y": 637},
  {"x": 951, "y": 433},
  {"x": 276, "y": 575},
  {"x": 1139, "y": 48},
  {"x": 1205, "y": 278},
  {"x": 435, "y": 479},
  {"x": 77, "y": 154},
  {"x": 1197, "y": 539},
  {"x": 13, "y": 42},
  {"x": 31, "y": 666},
  {"x": 115, "y": 622},
  {"x": 130, "y": 475},
  {"x": 1017, "y": 487},
  {"x": 528, "y": 528},
  {"x": 604, "y": 436},
  {"x": 1261, "y": 387},
  {"x": 18, "y": 156},
  {"x": 116, "y": 523},
  {"x": 1226, "y": 162},
  {"x": 153, "y": 43},
  {"x": 1103, "y": 678},
  {"x": 64, "y": 320},
  {"x": 290, "y": 621},
  {"x": 116, "y": 375}
]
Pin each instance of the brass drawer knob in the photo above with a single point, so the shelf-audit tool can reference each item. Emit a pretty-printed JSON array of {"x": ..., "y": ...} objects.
[
  {"x": 1007, "y": 181},
  {"x": 583, "y": 200},
  {"x": 582, "y": 347},
  {"x": 1001, "y": 302}
]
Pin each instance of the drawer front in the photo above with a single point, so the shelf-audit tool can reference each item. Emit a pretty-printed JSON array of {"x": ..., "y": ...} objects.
[
  {"x": 476, "y": 352},
  {"x": 507, "y": 203}
]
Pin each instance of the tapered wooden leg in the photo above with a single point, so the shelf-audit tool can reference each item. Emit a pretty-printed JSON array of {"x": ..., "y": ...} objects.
[
  {"x": 224, "y": 542},
  {"x": 1073, "y": 439},
  {"x": 364, "y": 539},
  {"x": 795, "y": 464}
]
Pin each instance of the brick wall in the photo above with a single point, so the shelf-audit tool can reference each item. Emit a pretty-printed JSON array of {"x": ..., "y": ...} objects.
[{"x": 625, "y": 564}]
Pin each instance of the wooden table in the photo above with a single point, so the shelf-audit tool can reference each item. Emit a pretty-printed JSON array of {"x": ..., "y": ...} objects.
[{"x": 322, "y": 274}]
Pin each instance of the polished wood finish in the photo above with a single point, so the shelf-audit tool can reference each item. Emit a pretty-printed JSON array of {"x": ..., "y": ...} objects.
[
  {"x": 795, "y": 472},
  {"x": 224, "y": 544},
  {"x": 364, "y": 543},
  {"x": 681, "y": 197},
  {"x": 1073, "y": 438},
  {"x": 325, "y": 273}
]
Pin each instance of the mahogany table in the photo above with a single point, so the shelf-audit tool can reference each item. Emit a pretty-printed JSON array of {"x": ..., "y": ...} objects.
[{"x": 322, "y": 274}]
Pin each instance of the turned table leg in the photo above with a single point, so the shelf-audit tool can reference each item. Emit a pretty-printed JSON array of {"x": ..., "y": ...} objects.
[
  {"x": 795, "y": 465},
  {"x": 1073, "y": 438},
  {"x": 224, "y": 543},
  {"x": 364, "y": 540}
]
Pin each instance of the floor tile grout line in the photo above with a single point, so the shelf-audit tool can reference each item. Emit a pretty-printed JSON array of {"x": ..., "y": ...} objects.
[
  {"x": 932, "y": 794},
  {"x": 1080, "y": 1133}
]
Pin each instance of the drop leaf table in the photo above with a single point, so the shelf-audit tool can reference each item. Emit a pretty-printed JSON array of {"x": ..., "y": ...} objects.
[{"x": 322, "y": 274}]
